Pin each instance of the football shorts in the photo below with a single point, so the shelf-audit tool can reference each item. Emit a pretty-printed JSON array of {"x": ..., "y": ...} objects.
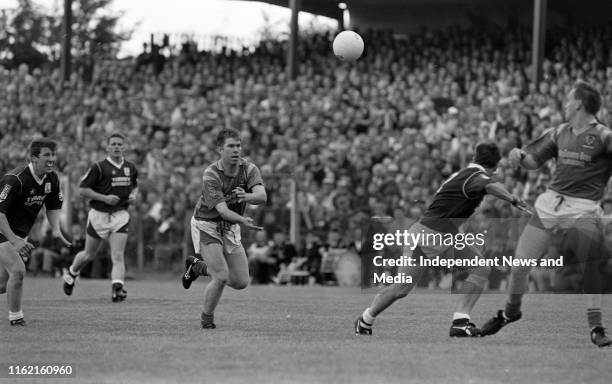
[
  {"x": 101, "y": 224},
  {"x": 212, "y": 232},
  {"x": 557, "y": 211}
]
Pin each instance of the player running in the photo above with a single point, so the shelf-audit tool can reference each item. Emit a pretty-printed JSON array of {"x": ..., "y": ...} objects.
[
  {"x": 454, "y": 202},
  {"x": 111, "y": 184},
  {"x": 583, "y": 150},
  {"x": 23, "y": 191},
  {"x": 229, "y": 185}
]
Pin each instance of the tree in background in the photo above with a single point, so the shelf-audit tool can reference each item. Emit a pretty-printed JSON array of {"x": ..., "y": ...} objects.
[
  {"x": 23, "y": 35},
  {"x": 34, "y": 35},
  {"x": 95, "y": 28}
]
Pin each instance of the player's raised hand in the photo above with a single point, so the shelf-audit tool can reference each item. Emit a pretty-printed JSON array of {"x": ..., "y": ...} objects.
[
  {"x": 515, "y": 156},
  {"x": 240, "y": 194},
  {"x": 23, "y": 248},
  {"x": 111, "y": 199},
  {"x": 248, "y": 222}
]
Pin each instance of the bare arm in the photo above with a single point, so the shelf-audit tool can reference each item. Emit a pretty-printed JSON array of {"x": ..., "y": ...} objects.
[
  {"x": 231, "y": 216},
  {"x": 6, "y": 230},
  {"x": 133, "y": 195},
  {"x": 498, "y": 190},
  {"x": 22, "y": 247},
  {"x": 257, "y": 197},
  {"x": 53, "y": 215},
  {"x": 518, "y": 157},
  {"x": 93, "y": 195}
]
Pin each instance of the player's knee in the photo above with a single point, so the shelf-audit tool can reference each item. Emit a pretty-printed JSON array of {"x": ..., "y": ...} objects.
[
  {"x": 117, "y": 257},
  {"x": 16, "y": 275},
  {"x": 238, "y": 284},
  {"x": 222, "y": 276}
]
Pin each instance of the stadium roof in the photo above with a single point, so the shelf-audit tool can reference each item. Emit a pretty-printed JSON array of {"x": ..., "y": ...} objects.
[{"x": 401, "y": 14}]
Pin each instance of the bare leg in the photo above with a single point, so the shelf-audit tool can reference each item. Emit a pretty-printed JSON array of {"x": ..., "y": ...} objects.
[
  {"x": 13, "y": 266},
  {"x": 85, "y": 256},
  {"x": 117, "y": 242}
]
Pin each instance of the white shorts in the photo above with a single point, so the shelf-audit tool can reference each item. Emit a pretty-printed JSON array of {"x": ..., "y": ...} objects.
[
  {"x": 560, "y": 211},
  {"x": 102, "y": 224},
  {"x": 208, "y": 232}
]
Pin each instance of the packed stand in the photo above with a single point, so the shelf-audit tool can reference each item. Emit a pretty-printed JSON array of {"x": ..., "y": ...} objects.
[{"x": 374, "y": 138}]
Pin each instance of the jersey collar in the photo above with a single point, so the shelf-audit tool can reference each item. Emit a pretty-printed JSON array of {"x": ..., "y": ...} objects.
[
  {"x": 474, "y": 165},
  {"x": 576, "y": 131},
  {"x": 220, "y": 164},
  {"x": 38, "y": 181},
  {"x": 115, "y": 164}
]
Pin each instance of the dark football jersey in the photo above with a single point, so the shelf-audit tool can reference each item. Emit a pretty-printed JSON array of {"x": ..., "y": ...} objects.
[
  {"x": 218, "y": 187},
  {"x": 584, "y": 161},
  {"x": 22, "y": 196},
  {"x": 457, "y": 199},
  {"x": 108, "y": 178}
]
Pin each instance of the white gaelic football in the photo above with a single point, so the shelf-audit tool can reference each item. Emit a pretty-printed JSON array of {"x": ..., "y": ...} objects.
[{"x": 348, "y": 46}]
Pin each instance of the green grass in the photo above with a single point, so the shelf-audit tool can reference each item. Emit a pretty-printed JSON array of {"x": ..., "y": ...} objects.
[{"x": 293, "y": 335}]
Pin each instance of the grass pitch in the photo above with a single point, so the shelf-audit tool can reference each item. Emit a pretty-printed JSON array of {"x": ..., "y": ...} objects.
[{"x": 293, "y": 335}]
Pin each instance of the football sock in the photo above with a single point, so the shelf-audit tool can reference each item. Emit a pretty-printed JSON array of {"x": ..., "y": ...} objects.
[
  {"x": 367, "y": 317},
  {"x": 72, "y": 272},
  {"x": 199, "y": 267},
  {"x": 207, "y": 318},
  {"x": 15, "y": 315},
  {"x": 594, "y": 317},
  {"x": 460, "y": 316},
  {"x": 513, "y": 306}
]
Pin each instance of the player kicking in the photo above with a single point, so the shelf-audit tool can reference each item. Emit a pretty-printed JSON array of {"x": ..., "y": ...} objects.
[
  {"x": 228, "y": 186},
  {"x": 111, "y": 185},
  {"x": 23, "y": 191},
  {"x": 583, "y": 149},
  {"x": 454, "y": 202}
]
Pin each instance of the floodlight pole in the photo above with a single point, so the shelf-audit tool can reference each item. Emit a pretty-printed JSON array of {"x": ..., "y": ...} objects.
[
  {"x": 539, "y": 39},
  {"x": 293, "y": 40},
  {"x": 66, "y": 58},
  {"x": 292, "y": 70}
]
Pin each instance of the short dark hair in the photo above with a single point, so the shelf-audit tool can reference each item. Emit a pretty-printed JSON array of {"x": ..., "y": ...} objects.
[
  {"x": 38, "y": 144},
  {"x": 589, "y": 95},
  {"x": 226, "y": 133},
  {"x": 116, "y": 134},
  {"x": 487, "y": 154}
]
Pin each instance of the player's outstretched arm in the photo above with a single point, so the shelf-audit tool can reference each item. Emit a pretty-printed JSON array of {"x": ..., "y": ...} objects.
[
  {"x": 498, "y": 190},
  {"x": 53, "y": 215},
  {"x": 231, "y": 216}
]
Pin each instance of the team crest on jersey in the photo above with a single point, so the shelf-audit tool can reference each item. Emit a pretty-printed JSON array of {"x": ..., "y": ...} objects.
[
  {"x": 5, "y": 192},
  {"x": 589, "y": 141},
  {"x": 47, "y": 188},
  {"x": 126, "y": 171},
  {"x": 32, "y": 191}
]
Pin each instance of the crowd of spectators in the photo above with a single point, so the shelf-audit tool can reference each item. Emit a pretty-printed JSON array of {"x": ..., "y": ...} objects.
[{"x": 371, "y": 138}]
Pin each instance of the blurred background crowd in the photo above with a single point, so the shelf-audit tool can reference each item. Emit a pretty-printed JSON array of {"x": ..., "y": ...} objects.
[{"x": 371, "y": 139}]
